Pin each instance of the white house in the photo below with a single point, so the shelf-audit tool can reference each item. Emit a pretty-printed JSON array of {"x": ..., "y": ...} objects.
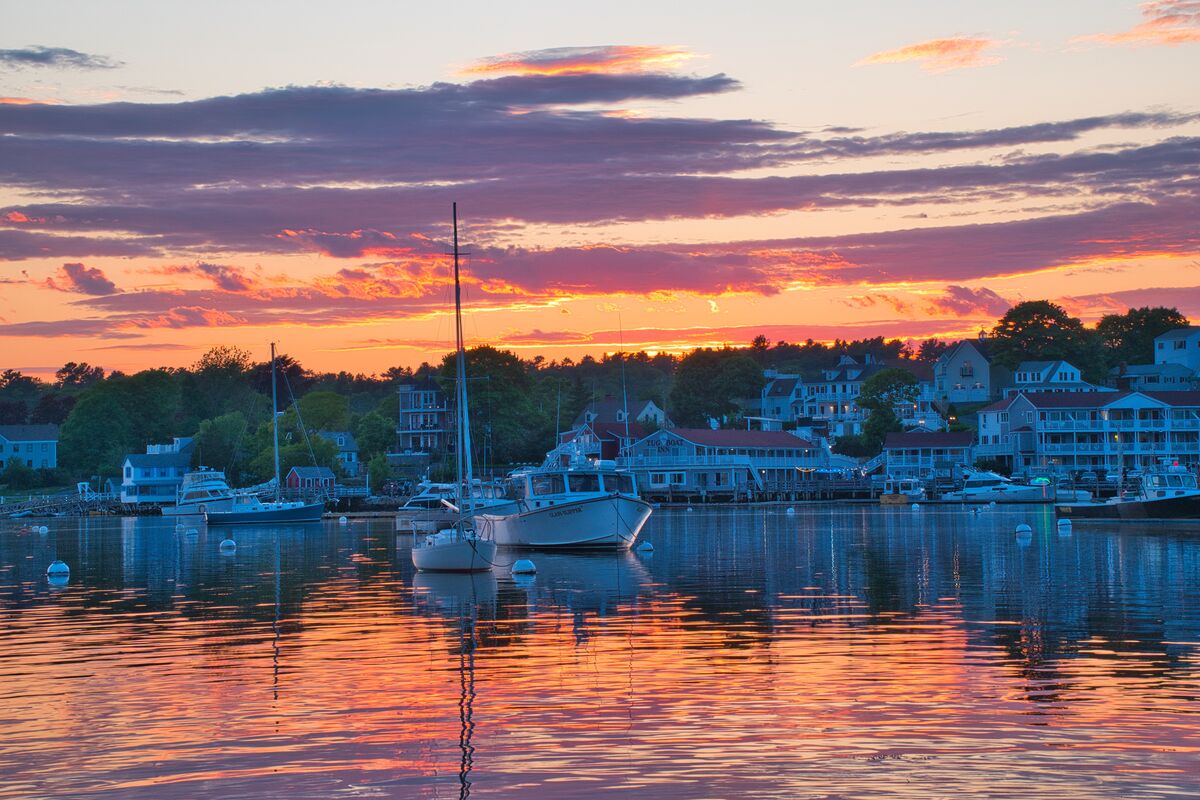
[
  {"x": 613, "y": 410},
  {"x": 927, "y": 455},
  {"x": 1153, "y": 377},
  {"x": 1064, "y": 431},
  {"x": 719, "y": 463},
  {"x": 780, "y": 395},
  {"x": 1180, "y": 346},
  {"x": 964, "y": 374},
  {"x": 1049, "y": 376},
  {"x": 36, "y": 446},
  {"x": 154, "y": 476}
]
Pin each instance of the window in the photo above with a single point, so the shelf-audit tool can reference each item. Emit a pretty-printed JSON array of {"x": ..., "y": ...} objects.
[
  {"x": 1181, "y": 345},
  {"x": 583, "y": 482},
  {"x": 967, "y": 370},
  {"x": 546, "y": 484}
]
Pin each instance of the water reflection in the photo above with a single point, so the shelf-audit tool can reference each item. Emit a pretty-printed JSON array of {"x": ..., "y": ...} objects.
[{"x": 837, "y": 650}]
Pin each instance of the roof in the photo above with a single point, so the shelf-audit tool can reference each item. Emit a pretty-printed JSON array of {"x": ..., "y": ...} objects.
[
  {"x": 29, "y": 433},
  {"x": 1180, "y": 399},
  {"x": 1074, "y": 399},
  {"x": 733, "y": 438},
  {"x": 1150, "y": 369},
  {"x": 982, "y": 346},
  {"x": 350, "y": 442},
  {"x": 616, "y": 430},
  {"x": 1036, "y": 366},
  {"x": 175, "y": 459},
  {"x": 311, "y": 472},
  {"x": 918, "y": 439},
  {"x": 1179, "y": 333},
  {"x": 781, "y": 387}
]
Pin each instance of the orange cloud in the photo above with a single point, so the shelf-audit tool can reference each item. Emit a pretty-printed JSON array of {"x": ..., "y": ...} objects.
[
  {"x": 1167, "y": 22},
  {"x": 574, "y": 60},
  {"x": 18, "y": 101},
  {"x": 940, "y": 55}
]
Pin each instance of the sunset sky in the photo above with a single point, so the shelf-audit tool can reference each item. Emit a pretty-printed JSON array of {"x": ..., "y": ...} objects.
[{"x": 174, "y": 177}]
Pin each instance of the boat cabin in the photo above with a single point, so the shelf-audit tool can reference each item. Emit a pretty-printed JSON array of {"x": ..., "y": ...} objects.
[{"x": 547, "y": 488}]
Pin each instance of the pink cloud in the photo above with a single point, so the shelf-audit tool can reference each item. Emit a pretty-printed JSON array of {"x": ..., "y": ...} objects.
[
  {"x": 940, "y": 55},
  {"x": 1165, "y": 22},
  {"x": 962, "y": 301},
  {"x": 574, "y": 60}
]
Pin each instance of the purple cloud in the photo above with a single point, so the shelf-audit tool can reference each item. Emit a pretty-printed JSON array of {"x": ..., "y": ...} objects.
[{"x": 81, "y": 280}]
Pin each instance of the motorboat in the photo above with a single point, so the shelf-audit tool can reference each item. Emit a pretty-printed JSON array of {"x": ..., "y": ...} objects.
[
  {"x": 1164, "y": 492},
  {"x": 461, "y": 547},
  {"x": 586, "y": 504},
  {"x": 202, "y": 490},
  {"x": 248, "y": 509},
  {"x": 897, "y": 491},
  {"x": 432, "y": 507},
  {"x": 990, "y": 487}
]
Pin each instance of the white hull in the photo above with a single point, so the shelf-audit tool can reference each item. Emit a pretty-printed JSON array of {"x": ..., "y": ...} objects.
[
  {"x": 428, "y": 520},
  {"x": 197, "y": 509},
  {"x": 1019, "y": 494},
  {"x": 451, "y": 551},
  {"x": 611, "y": 522}
]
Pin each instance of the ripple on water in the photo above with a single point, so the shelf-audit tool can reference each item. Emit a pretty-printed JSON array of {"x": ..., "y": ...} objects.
[{"x": 837, "y": 651}]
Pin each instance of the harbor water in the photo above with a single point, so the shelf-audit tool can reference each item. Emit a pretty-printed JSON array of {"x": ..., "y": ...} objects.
[{"x": 833, "y": 652}]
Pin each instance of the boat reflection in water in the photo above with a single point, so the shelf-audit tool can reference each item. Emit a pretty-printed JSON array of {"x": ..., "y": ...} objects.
[{"x": 754, "y": 654}]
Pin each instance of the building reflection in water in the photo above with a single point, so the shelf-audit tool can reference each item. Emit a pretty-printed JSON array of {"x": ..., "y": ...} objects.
[{"x": 754, "y": 653}]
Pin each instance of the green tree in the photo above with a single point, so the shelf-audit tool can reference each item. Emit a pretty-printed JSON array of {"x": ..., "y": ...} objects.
[
  {"x": 375, "y": 435},
  {"x": 1038, "y": 330},
  {"x": 379, "y": 472},
  {"x": 220, "y": 443},
  {"x": 1129, "y": 338},
  {"x": 77, "y": 376},
  {"x": 18, "y": 475},
  {"x": 96, "y": 435},
  {"x": 708, "y": 384},
  {"x": 325, "y": 411}
]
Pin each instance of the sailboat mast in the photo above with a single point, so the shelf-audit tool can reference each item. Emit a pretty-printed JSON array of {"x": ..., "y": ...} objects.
[
  {"x": 275, "y": 421},
  {"x": 465, "y": 499}
]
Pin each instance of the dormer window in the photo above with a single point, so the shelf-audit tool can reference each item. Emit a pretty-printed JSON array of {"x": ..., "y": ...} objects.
[{"x": 967, "y": 370}]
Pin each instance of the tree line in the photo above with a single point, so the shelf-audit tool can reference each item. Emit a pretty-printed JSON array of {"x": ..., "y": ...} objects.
[{"x": 518, "y": 405}]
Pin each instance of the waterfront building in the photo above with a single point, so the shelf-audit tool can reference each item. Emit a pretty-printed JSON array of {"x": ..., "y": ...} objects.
[
  {"x": 347, "y": 450},
  {"x": 35, "y": 446},
  {"x": 154, "y": 476},
  {"x": 720, "y": 464},
  {"x": 597, "y": 440},
  {"x": 1180, "y": 346},
  {"x": 1153, "y": 378},
  {"x": 320, "y": 479},
  {"x": 964, "y": 374},
  {"x": 425, "y": 428},
  {"x": 1049, "y": 376},
  {"x": 1110, "y": 431},
  {"x": 833, "y": 399},
  {"x": 927, "y": 455},
  {"x": 781, "y": 397},
  {"x": 612, "y": 410}
]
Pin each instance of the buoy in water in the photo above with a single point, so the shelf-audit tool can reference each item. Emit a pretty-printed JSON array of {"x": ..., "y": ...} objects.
[
  {"x": 645, "y": 547},
  {"x": 58, "y": 569},
  {"x": 227, "y": 545},
  {"x": 916, "y": 506},
  {"x": 689, "y": 508},
  {"x": 1064, "y": 526},
  {"x": 342, "y": 521},
  {"x": 523, "y": 567},
  {"x": 43, "y": 529},
  {"x": 791, "y": 510},
  {"x": 179, "y": 527},
  {"x": 992, "y": 504},
  {"x": 192, "y": 532}
]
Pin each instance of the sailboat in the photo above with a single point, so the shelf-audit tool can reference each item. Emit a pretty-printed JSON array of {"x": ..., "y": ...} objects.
[
  {"x": 248, "y": 509},
  {"x": 458, "y": 548}
]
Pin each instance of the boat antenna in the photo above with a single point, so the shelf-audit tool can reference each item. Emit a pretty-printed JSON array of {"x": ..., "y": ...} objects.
[
  {"x": 463, "y": 454},
  {"x": 624, "y": 393},
  {"x": 275, "y": 420}
]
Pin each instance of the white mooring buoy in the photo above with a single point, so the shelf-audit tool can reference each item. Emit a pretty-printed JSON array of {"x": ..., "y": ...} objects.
[
  {"x": 645, "y": 547},
  {"x": 43, "y": 530},
  {"x": 227, "y": 545},
  {"x": 523, "y": 567},
  {"x": 343, "y": 521},
  {"x": 58, "y": 569},
  {"x": 791, "y": 510},
  {"x": 1024, "y": 530},
  {"x": 193, "y": 532},
  {"x": 916, "y": 506},
  {"x": 1064, "y": 527}
]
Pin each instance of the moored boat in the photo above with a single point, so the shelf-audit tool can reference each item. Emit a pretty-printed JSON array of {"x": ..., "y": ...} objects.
[
  {"x": 202, "y": 490},
  {"x": 897, "y": 491},
  {"x": 1164, "y": 492},
  {"x": 989, "y": 487},
  {"x": 585, "y": 505}
]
